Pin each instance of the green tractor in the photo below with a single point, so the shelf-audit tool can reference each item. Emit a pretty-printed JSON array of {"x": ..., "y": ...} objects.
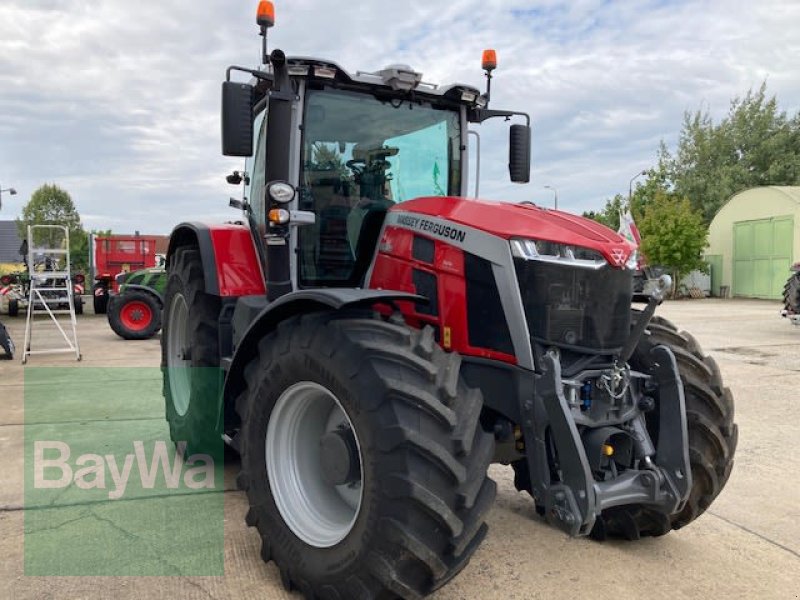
[{"x": 135, "y": 313}]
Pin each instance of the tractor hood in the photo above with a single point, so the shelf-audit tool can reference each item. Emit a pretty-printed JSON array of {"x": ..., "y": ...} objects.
[{"x": 527, "y": 221}]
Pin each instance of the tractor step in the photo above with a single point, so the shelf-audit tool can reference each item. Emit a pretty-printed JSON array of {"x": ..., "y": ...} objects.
[{"x": 233, "y": 442}]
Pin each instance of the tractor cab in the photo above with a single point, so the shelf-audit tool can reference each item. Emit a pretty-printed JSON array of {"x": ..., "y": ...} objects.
[{"x": 344, "y": 148}]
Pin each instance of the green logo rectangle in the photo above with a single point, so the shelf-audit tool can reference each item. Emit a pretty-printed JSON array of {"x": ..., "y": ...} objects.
[{"x": 106, "y": 490}]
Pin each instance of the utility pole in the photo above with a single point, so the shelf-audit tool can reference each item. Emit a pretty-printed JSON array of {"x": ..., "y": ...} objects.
[
  {"x": 630, "y": 186},
  {"x": 555, "y": 194}
]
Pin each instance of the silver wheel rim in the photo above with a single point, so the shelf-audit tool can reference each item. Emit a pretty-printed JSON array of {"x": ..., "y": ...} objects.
[
  {"x": 318, "y": 513},
  {"x": 178, "y": 366}
]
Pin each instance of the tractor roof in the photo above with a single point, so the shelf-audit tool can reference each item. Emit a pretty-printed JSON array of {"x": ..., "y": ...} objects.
[{"x": 394, "y": 77}]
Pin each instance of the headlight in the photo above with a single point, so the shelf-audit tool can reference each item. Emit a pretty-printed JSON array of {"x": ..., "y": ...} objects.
[
  {"x": 281, "y": 192},
  {"x": 554, "y": 252}
]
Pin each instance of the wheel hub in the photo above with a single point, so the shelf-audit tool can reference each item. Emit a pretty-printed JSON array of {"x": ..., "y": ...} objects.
[
  {"x": 339, "y": 457},
  {"x": 314, "y": 464},
  {"x": 135, "y": 315},
  {"x": 177, "y": 362}
]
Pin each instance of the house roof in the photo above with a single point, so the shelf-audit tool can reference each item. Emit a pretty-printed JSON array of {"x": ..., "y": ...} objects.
[{"x": 9, "y": 242}]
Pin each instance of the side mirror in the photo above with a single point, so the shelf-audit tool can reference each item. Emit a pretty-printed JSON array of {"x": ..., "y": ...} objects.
[
  {"x": 519, "y": 153},
  {"x": 237, "y": 119},
  {"x": 237, "y": 177}
]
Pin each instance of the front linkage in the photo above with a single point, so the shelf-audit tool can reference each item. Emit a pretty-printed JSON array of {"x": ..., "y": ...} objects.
[{"x": 578, "y": 436}]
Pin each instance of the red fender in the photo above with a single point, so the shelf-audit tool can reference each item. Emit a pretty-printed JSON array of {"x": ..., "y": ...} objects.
[{"x": 230, "y": 260}]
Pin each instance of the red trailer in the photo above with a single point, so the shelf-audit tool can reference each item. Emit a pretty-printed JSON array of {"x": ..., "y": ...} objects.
[{"x": 117, "y": 254}]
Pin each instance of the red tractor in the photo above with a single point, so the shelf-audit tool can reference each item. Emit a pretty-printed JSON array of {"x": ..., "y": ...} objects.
[
  {"x": 114, "y": 255},
  {"x": 369, "y": 340}
]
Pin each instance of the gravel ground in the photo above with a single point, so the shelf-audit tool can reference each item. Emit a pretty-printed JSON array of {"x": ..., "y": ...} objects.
[{"x": 747, "y": 545}]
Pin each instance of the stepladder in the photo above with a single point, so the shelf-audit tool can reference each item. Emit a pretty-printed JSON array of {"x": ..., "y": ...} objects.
[{"x": 51, "y": 319}]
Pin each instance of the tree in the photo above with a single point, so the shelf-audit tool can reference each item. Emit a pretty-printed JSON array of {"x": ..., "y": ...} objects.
[
  {"x": 754, "y": 145},
  {"x": 326, "y": 157},
  {"x": 51, "y": 205},
  {"x": 80, "y": 249},
  {"x": 674, "y": 235},
  {"x": 657, "y": 181},
  {"x": 609, "y": 215}
]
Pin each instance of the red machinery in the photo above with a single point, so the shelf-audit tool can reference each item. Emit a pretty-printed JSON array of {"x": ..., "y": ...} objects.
[{"x": 117, "y": 254}]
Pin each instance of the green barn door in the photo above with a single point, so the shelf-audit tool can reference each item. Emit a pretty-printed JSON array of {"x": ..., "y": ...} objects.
[
  {"x": 762, "y": 255},
  {"x": 715, "y": 263}
]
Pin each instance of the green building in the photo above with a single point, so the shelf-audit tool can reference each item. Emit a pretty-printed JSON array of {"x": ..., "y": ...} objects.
[{"x": 753, "y": 240}]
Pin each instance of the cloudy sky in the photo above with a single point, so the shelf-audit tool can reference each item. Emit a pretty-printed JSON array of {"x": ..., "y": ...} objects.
[{"x": 118, "y": 102}]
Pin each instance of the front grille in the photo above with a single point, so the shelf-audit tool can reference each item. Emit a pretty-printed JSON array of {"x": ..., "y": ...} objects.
[{"x": 576, "y": 307}]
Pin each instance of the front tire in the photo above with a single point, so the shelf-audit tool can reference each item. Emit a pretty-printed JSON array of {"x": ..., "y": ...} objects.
[
  {"x": 135, "y": 315},
  {"x": 411, "y": 511},
  {"x": 13, "y": 307},
  {"x": 190, "y": 355}
]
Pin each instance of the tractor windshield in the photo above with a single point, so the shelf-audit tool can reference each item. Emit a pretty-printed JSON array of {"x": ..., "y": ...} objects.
[{"x": 361, "y": 155}]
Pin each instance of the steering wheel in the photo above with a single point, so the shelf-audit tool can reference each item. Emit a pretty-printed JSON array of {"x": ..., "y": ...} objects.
[{"x": 357, "y": 166}]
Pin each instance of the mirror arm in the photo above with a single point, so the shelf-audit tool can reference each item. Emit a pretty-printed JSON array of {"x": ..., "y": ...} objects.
[
  {"x": 254, "y": 72},
  {"x": 479, "y": 115}
]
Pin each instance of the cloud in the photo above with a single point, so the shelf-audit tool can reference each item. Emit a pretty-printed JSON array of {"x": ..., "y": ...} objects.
[{"x": 119, "y": 103}]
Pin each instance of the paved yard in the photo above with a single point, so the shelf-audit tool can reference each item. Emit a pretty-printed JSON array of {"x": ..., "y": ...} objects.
[{"x": 746, "y": 546}]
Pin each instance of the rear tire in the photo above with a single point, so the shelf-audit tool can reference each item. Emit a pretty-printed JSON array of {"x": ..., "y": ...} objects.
[
  {"x": 78, "y": 304},
  {"x": 712, "y": 434},
  {"x": 190, "y": 355},
  {"x": 791, "y": 294},
  {"x": 423, "y": 458},
  {"x": 135, "y": 315}
]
